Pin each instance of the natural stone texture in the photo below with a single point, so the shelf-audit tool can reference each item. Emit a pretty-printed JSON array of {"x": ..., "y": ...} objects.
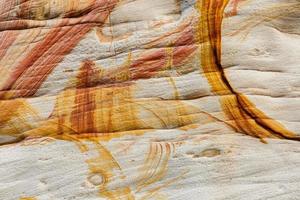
[{"x": 160, "y": 99}]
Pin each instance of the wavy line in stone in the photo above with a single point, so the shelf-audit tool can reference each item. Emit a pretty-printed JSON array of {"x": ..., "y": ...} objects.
[
  {"x": 100, "y": 104},
  {"x": 247, "y": 118}
]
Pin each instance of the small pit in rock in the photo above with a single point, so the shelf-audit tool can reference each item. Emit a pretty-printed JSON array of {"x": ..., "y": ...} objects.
[
  {"x": 205, "y": 153},
  {"x": 96, "y": 179},
  {"x": 209, "y": 153}
]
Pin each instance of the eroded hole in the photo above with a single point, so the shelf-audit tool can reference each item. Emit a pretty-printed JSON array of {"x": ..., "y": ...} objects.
[
  {"x": 209, "y": 153},
  {"x": 96, "y": 179}
]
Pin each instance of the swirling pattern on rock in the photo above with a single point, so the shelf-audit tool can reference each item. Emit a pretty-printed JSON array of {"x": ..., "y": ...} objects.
[{"x": 95, "y": 72}]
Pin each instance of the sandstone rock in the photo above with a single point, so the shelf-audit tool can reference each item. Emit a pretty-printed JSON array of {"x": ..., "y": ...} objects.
[{"x": 138, "y": 99}]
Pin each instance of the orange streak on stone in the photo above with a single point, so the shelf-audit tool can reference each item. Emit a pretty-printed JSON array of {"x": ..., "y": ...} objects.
[
  {"x": 182, "y": 53},
  {"x": 33, "y": 70},
  {"x": 156, "y": 164},
  {"x": 245, "y": 116},
  {"x": 46, "y": 55},
  {"x": 186, "y": 38},
  {"x": 28, "y": 198},
  {"x": 103, "y": 170},
  {"x": 110, "y": 112},
  {"x": 82, "y": 117},
  {"x": 97, "y": 112},
  {"x": 8, "y": 110},
  {"x": 148, "y": 65},
  {"x": 15, "y": 118}
]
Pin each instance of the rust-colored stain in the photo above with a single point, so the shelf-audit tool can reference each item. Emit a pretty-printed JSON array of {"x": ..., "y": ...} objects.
[
  {"x": 30, "y": 73},
  {"x": 7, "y": 39},
  {"x": 34, "y": 69},
  {"x": 82, "y": 116}
]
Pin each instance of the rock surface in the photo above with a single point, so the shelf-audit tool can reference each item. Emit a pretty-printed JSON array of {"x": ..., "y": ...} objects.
[{"x": 139, "y": 99}]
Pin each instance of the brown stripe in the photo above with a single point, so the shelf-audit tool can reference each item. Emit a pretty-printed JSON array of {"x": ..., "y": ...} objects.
[
  {"x": 82, "y": 116},
  {"x": 247, "y": 118}
]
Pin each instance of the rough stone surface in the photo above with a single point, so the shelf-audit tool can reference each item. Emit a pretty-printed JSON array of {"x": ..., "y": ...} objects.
[{"x": 140, "y": 99}]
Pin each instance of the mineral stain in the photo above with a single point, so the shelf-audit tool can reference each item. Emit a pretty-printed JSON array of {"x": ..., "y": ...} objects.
[
  {"x": 241, "y": 113},
  {"x": 98, "y": 112}
]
